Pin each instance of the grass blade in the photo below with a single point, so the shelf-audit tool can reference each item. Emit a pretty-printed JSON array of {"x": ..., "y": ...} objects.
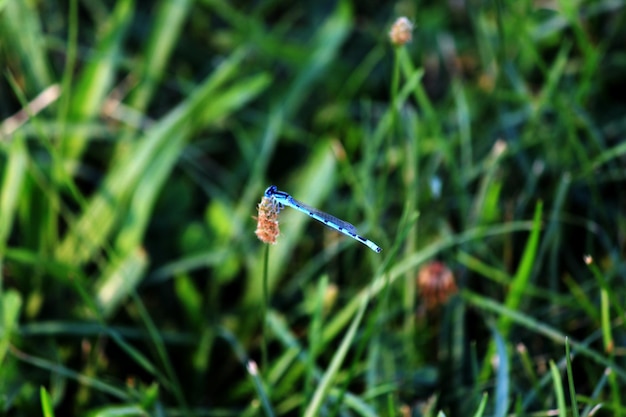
[
  {"x": 170, "y": 133},
  {"x": 570, "y": 379},
  {"x": 13, "y": 177},
  {"x": 543, "y": 329},
  {"x": 46, "y": 403},
  {"x": 97, "y": 78},
  {"x": 10, "y": 308},
  {"x": 519, "y": 285},
  {"x": 558, "y": 389},
  {"x": 314, "y": 407},
  {"x": 20, "y": 24}
]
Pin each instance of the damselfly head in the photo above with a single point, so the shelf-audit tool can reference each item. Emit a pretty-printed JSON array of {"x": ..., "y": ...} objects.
[{"x": 270, "y": 191}]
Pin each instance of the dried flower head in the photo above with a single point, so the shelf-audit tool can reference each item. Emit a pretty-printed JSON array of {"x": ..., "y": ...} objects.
[
  {"x": 267, "y": 223},
  {"x": 436, "y": 283},
  {"x": 400, "y": 32}
]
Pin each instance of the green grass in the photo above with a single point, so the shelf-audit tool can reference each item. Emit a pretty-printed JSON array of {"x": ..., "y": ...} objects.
[{"x": 137, "y": 139}]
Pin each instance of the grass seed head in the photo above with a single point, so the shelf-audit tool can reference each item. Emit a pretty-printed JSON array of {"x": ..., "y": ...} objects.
[
  {"x": 401, "y": 31},
  {"x": 436, "y": 283},
  {"x": 267, "y": 222}
]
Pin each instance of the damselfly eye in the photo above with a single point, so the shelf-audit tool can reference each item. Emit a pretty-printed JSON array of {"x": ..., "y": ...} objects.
[{"x": 270, "y": 191}]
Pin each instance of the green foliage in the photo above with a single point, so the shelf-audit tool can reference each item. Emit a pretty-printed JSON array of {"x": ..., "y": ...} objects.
[
  {"x": 46, "y": 403},
  {"x": 136, "y": 139}
]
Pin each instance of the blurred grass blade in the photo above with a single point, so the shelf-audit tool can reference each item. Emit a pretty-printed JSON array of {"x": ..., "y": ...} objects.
[
  {"x": 543, "y": 329},
  {"x": 10, "y": 306},
  {"x": 120, "y": 278},
  {"x": 115, "y": 391},
  {"x": 524, "y": 270},
  {"x": 483, "y": 269},
  {"x": 319, "y": 397},
  {"x": 294, "y": 350},
  {"x": 151, "y": 182},
  {"x": 326, "y": 47},
  {"x": 503, "y": 390},
  {"x": 482, "y": 406},
  {"x": 46, "y": 404},
  {"x": 90, "y": 231},
  {"x": 341, "y": 317},
  {"x": 431, "y": 118},
  {"x": 551, "y": 239},
  {"x": 153, "y": 179},
  {"x": 29, "y": 110},
  {"x": 170, "y": 16},
  {"x": 465, "y": 129},
  {"x": 12, "y": 183},
  {"x": 97, "y": 78},
  {"x": 19, "y": 23},
  {"x": 118, "y": 411},
  {"x": 485, "y": 207},
  {"x": 519, "y": 285},
  {"x": 558, "y": 389},
  {"x": 554, "y": 78},
  {"x": 386, "y": 124},
  {"x": 357, "y": 404},
  {"x": 252, "y": 371},
  {"x": 315, "y": 336},
  {"x": 570, "y": 379},
  {"x": 607, "y": 295},
  {"x": 262, "y": 392},
  {"x": 162, "y": 353},
  {"x": 597, "y": 396},
  {"x": 608, "y": 155}
]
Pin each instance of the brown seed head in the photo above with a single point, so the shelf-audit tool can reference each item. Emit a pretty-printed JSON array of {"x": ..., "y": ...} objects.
[
  {"x": 267, "y": 223},
  {"x": 436, "y": 283},
  {"x": 400, "y": 32}
]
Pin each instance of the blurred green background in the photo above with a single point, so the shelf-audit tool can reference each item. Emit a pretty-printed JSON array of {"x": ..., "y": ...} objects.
[{"x": 486, "y": 157}]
